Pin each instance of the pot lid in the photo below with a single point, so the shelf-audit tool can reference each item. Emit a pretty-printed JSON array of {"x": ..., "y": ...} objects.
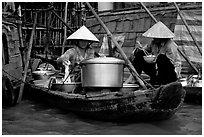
[
  {"x": 83, "y": 34},
  {"x": 159, "y": 30},
  {"x": 103, "y": 60}
]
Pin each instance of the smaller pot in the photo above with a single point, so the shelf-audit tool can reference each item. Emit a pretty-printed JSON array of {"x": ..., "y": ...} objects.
[
  {"x": 41, "y": 83},
  {"x": 67, "y": 88},
  {"x": 42, "y": 74}
]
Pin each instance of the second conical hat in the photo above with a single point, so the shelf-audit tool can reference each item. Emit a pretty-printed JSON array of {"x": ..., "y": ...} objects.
[
  {"x": 83, "y": 34},
  {"x": 159, "y": 30}
]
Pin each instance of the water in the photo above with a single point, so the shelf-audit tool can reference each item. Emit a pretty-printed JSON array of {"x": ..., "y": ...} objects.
[{"x": 32, "y": 118}]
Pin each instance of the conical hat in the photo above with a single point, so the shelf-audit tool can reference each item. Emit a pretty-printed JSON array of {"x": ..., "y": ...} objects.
[
  {"x": 159, "y": 30},
  {"x": 83, "y": 34}
]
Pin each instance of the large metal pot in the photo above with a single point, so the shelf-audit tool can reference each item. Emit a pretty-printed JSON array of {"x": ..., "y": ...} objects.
[{"x": 102, "y": 72}]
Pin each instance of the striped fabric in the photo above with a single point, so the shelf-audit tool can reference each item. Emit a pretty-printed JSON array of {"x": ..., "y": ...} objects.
[{"x": 183, "y": 38}]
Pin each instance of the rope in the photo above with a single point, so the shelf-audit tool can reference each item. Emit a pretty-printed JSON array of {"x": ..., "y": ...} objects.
[{"x": 19, "y": 80}]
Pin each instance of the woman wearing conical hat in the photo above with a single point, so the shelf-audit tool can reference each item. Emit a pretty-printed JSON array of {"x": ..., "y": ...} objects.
[
  {"x": 167, "y": 64},
  {"x": 82, "y": 50}
]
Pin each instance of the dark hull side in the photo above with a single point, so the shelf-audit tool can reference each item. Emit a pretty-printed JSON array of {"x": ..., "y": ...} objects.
[
  {"x": 135, "y": 106},
  {"x": 193, "y": 95}
]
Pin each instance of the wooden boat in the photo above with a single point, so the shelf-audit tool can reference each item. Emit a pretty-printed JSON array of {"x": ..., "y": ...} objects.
[
  {"x": 193, "y": 88},
  {"x": 12, "y": 65},
  {"x": 115, "y": 105}
]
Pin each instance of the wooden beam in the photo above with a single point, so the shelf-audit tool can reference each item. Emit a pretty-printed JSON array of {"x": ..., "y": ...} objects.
[
  {"x": 20, "y": 34},
  {"x": 28, "y": 59},
  {"x": 167, "y": 9},
  {"x": 65, "y": 28},
  {"x": 9, "y": 23},
  {"x": 48, "y": 20},
  {"x": 155, "y": 20}
]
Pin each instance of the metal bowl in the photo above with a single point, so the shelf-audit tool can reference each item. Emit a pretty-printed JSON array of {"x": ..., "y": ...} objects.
[
  {"x": 149, "y": 59},
  {"x": 44, "y": 69},
  {"x": 129, "y": 87},
  {"x": 41, "y": 83},
  {"x": 198, "y": 83},
  {"x": 42, "y": 74},
  {"x": 68, "y": 87}
]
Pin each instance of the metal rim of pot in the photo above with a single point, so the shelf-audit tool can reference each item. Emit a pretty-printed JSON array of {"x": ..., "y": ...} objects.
[{"x": 103, "y": 60}]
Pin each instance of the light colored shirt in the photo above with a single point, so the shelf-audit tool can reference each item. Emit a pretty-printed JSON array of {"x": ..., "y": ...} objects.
[
  {"x": 74, "y": 55},
  {"x": 71, "y": 57}
]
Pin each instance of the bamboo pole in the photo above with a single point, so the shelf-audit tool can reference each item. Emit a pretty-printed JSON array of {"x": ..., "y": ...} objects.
[
  {"x": 150, "y": 14},
  {"x": 135, "y": 74},
  {"x": 27, "y": 61},
  {"x": 20, "y": 35},
  {"x": 186, "y": 24},
  {"x": 186, "y": 58},
  {"x": 181, "y": 52},
  {"x": 48, "y": 20},
  {"x": 65, "y": 28},
  {"x": 21, "y": 41}
]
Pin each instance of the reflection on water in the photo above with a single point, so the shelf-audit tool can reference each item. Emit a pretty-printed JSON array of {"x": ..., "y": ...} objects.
[{"x": 32, "y": 118}]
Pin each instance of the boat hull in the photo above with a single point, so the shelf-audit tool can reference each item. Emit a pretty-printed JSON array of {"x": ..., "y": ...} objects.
[
  {"x": 140, "y": 105},
  {"x": 193, "y": 95}
]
